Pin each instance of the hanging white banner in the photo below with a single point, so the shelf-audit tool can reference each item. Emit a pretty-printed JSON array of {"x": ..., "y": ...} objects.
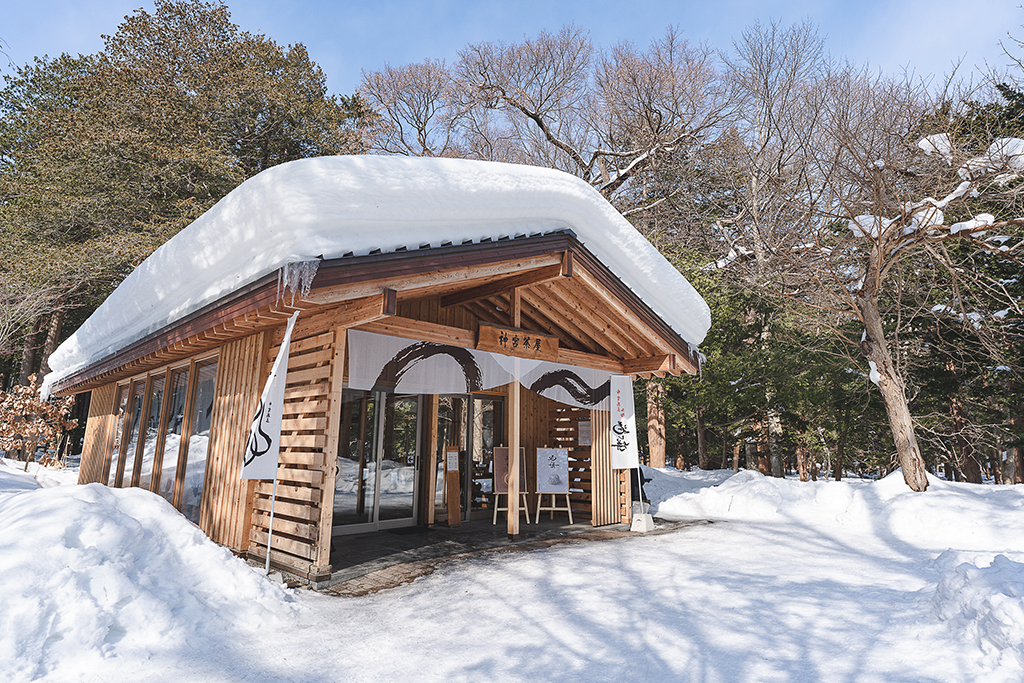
[
  {"x": 625, "y": 455},
  {"x": 421, "y": 367},
  {"x": 264, "y": 442}
]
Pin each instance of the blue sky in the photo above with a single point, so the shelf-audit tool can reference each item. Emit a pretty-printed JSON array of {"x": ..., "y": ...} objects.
[{"x": 347, "y": 37}]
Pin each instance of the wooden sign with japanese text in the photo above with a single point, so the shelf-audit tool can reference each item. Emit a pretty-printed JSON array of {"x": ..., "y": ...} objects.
[{"x": 510, "y": 341}]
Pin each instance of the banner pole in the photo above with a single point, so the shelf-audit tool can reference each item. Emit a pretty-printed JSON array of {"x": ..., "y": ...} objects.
[{"x": 270, "y": 529}]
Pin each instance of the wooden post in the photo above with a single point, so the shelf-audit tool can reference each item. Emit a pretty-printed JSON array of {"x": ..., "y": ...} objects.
[
  {"x": 430, "y": 490},
  {"x": 337, "y": 429},
  {"x": 512, "y": 413}
]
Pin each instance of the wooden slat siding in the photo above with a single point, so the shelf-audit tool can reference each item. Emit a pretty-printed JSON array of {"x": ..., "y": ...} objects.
[
  {"x": 605, "y": 479},
  {"x": 98, "y": 426},
  {"x": 625, "y": 497},
  {"x": 328, "y": 469},
  {"x": 302, "y": 472},
  {"x": 563, "y": 432},
  {"x": 239, "y": 367}
]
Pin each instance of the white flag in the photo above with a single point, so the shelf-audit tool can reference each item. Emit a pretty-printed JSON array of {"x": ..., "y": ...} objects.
[
  {"x": 264, "y": 442},
  {"x": 625, "y": 455}
]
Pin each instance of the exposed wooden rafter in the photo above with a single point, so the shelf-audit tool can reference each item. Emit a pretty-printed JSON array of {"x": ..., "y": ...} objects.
[{"x": 524, "y": 279}]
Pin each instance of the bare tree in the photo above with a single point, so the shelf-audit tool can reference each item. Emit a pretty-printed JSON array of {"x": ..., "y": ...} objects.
[
  {"x": 556, "y": 101},
  {"x": 858, "y": 234}
]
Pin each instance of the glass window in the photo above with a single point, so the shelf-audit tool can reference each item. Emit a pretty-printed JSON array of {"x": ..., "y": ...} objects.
[
  {"x": 398, "y": 461},
  {"x": 198, "y": 439},
  {"x": 174, "y": 423},
  {"x": 134, "y": 423},
  {"x": 488, "y": 419},
  {"x": 356, "y": 472},
  {"x": 121, "y": 408},
  {"x": 152, "y": 429}
]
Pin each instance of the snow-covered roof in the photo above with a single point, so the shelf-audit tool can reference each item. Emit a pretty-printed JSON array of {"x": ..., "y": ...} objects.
[{"x": 330, "y": 206}]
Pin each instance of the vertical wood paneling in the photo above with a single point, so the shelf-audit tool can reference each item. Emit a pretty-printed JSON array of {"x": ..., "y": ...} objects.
[
  {"x": 606, "y": 480},
  {"x": 238, "y": 388},
  {"x": 98, "y": 426}
]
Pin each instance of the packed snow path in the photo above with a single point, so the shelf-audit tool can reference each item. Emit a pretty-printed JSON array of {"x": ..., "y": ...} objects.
[{"x": 794, "y": 581}]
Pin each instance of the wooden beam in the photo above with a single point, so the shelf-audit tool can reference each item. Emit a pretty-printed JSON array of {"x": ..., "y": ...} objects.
[
  {"x": 514, "y": 307},
  {"x": 589, "y": 360},
  {"x": 367, "y": 309},
  {"x": 662, "y": 364},
  {"x": 424, "y": 281},
  {"x": 407, "y": 328},
  {"x": 523, "y": 279}
]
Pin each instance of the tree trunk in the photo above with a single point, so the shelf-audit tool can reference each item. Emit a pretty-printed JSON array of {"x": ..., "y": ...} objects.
[
  {"x": 969, "y": 465},
  {"x": 894, "y": 396},
  {"x": 750, "y": 450},
  {"x": 52, "y": 339},
  {"x": 764, "y": 460},
  {"x": 736, "y": 456},
  {"x": 801, "y": 463},
  {"x": 656, "y": 423},
  {"x": 28, "y": 353},
  {"x": 702, "y": 445},
  {"x": 1017, "y": 453},
  {"x": 777, "y": 464}
]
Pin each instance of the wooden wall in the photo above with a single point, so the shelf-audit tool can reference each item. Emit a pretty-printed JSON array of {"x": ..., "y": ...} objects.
[
  {"x": 98, "y": 428},
  {"x": 563, "y": 432},
  {"x": 300, "y": 542},
  {"x": 430, "y": 310},
  {"x": 611, "y": 487},
  {"x": 224, "y": 514}
]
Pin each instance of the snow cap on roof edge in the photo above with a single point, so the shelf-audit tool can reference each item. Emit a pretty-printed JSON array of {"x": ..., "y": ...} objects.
[{"x": 330, "y": 206}]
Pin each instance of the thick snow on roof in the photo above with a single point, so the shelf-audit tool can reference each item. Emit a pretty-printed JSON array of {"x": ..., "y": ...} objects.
[{"x": 330, "y": 206}]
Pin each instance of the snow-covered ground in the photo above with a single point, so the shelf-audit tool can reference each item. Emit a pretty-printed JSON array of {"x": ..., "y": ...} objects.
[{"x": 827, "y": 581}]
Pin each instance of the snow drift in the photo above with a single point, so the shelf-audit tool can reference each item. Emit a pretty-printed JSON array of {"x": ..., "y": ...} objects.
[{"x": 89, "y": 572}]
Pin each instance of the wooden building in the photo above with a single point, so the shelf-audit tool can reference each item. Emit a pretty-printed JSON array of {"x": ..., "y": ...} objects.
[{"x": 459, "y": 258}]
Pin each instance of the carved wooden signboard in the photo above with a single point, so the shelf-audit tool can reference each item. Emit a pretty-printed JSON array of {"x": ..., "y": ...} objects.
[{"x": 519, "y": 343}]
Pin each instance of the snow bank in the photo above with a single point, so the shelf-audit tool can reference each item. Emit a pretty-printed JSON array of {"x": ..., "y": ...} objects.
[
  {"x": 982, "y": 599},
  {"x": 329, "y": 206},
  {"x": 948, "y": 515},
  {"x": 89, "y": 573}
]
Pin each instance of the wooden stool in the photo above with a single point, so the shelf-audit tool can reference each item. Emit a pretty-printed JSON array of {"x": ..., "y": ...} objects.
[
  {"x": 524, "y": 503},
  {"x": 554, "y": 507}
]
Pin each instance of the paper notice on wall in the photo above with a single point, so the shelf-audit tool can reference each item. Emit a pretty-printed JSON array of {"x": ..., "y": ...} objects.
[
  {"x": 452, "y": 461},
  {"x": 583, "y": 433},
  {"x": 625, "y": 455}
]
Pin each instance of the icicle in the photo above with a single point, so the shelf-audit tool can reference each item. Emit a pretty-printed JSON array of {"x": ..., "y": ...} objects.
[{"x": 296, "y": 277}]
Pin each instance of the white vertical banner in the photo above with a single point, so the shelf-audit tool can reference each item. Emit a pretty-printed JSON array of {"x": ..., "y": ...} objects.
[
  {"x": 625, "y": 455},
  {"x": 264, "y": 442}
]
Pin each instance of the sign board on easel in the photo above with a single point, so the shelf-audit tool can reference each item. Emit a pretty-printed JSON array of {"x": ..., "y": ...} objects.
[
  {"x": 552, "y": 470},
  {"x": 501, "y": 469}
]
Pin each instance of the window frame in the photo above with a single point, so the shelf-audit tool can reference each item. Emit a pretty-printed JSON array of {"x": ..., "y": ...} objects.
[{"x": 167, "y": 372}]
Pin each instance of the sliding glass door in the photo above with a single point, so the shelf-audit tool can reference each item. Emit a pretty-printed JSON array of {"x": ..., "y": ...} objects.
[{"x": 377, "y": 461}]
